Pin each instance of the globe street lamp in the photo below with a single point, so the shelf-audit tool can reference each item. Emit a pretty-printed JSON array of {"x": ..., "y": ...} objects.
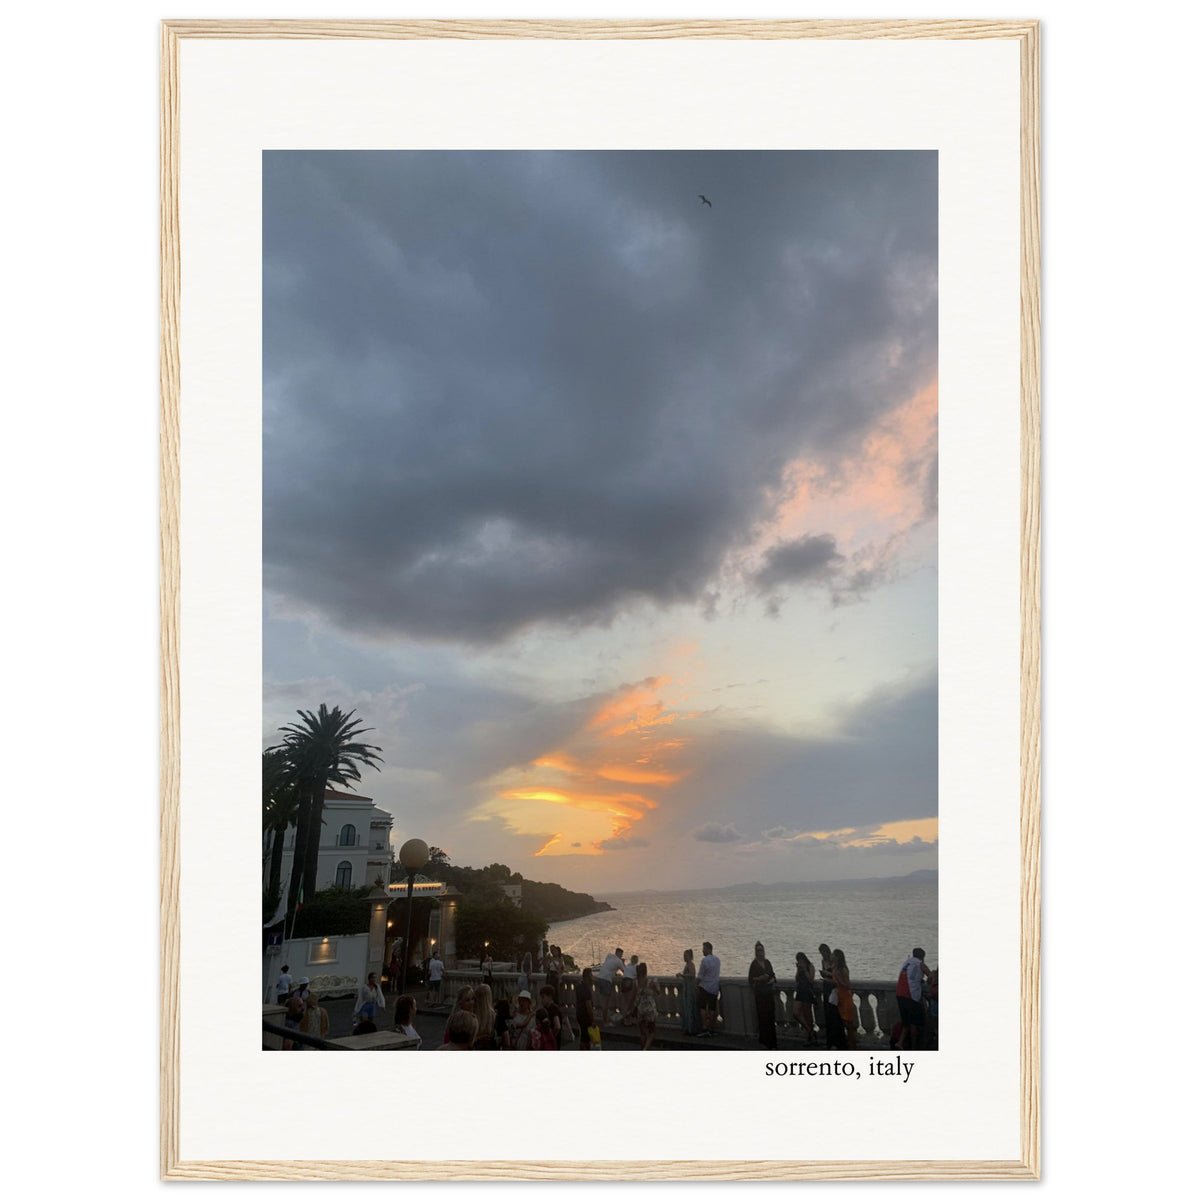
[{"x": 414, "y": 854}]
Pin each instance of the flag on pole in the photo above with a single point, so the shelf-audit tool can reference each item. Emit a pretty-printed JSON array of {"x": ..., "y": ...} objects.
[{"x": 280, "y": 912}]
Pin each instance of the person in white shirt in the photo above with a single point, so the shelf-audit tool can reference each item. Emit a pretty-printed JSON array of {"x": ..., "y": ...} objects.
[
  {"x": 708, "y": 986},
  {"x": 435, "y": 979},
  {"x": 604, "y": 975},
  {"x": 370, "y": 999},
  {"x": 283, "y": 985}
]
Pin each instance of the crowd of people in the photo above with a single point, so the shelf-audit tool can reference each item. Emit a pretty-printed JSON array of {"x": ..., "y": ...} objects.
[
  {"x": 822, "y": 999},
  {"x": 304, "y": 1013},
  {"x": 826, "y": 989},
  {"x": 302, "y": 1009},
  {"x": 479, "y": 1021}
]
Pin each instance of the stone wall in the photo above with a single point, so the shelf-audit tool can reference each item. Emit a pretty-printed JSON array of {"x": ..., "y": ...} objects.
[{"x": 334, "y": 966}]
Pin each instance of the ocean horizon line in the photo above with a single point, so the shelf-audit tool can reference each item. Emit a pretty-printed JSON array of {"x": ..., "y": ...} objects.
[{"x": 925, "y": 874}]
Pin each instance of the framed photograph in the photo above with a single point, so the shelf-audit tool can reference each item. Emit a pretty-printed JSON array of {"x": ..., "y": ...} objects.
[{"x": 600, "y": 519}]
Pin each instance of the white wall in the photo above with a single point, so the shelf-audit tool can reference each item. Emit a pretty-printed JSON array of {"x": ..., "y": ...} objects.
[
  {"x": 371, "y": 854},
  {"x": 339, "y": 975}
]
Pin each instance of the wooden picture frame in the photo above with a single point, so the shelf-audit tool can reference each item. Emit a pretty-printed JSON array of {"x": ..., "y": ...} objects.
[{"x": 1023, "y": 37}]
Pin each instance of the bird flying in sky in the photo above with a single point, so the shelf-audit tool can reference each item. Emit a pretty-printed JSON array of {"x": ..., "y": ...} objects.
[{"x": 706, "y": 200}]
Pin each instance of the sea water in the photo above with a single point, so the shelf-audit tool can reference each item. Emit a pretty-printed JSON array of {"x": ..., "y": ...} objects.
[{"x": 875, "y": 922}]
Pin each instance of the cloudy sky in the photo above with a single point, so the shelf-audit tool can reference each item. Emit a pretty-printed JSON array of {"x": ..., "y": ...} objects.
[{"x": 613, "y": 513}]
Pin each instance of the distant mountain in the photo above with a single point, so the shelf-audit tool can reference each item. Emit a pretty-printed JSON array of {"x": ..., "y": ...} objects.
[
  {"x": 923, "y": 876},
  {"x": 550, "y": 901},
  {"x": 557, "y": 903}
]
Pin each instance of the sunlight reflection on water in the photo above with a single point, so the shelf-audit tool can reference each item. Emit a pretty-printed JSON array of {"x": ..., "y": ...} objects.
[{"x": 876, "y": 923}]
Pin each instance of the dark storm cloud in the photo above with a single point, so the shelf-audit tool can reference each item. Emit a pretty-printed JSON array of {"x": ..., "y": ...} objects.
[
  {"x": 502, "y": 388},
  {"x": 714, "y": 832},
  {"x": 802, "y": 560}
]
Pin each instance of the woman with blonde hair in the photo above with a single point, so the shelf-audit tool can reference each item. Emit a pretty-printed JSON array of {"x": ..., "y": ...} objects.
[
  {"x": 316, "y": 1019},
  {"x": 485, "y": 1014},
  {"x": 464, "y": 1003},
  {"x": 845, "y": 999},
  {"x": 460, "y": 1030}
]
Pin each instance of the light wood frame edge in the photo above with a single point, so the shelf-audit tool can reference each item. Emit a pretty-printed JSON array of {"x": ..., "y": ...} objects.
[
  {"x": 1028, "y": 1167},
  {"x": 169, "y": 706},
  {"x": 1031, "y": 602}
]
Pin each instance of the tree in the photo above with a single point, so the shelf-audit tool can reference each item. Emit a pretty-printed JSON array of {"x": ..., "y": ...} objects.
[
  {"x": 281, "y": 800},
  {"x": 506, "y": 930},
  {"x": 323, "y": 749},
  {"x": 334, "y": 912}
]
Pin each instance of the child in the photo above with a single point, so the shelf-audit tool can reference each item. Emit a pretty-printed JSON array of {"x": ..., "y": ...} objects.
[{"x": 542, "y": 1037}]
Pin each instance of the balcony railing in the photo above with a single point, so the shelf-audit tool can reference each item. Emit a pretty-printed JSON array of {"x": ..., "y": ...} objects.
[{"x": 874, "y": 1001}]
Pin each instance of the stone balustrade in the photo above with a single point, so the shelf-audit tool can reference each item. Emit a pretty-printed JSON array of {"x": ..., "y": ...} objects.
[{"x": 874, "y": 1001}]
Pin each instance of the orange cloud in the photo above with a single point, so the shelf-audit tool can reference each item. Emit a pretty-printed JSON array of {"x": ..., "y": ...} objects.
[
  {"x": 633, "y": 709},
  {"x": 607, "y": 768},
  {"x": 877, "y": 491},
  {"x": 918, "y": 829},
  {"x": 622, "y": 774},
  {"x": 622, "y": 807},
  {"x": 557, "y": 762}
]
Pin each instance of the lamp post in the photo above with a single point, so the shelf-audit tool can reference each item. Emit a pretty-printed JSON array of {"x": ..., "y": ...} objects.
[{"x": 414, "y": 854}]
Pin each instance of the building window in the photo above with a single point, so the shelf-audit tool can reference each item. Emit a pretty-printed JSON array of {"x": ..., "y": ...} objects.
[
  {"x": 348, "y": 836},
  {"x": 344, "y": 871}
]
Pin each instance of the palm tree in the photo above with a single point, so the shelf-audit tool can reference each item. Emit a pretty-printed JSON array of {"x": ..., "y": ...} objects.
[
  {"x": 322, "y": 748},
  {"x": 281, "y": 802}
]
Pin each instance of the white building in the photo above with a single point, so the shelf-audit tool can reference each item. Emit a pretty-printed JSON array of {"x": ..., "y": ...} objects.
[{"x": 356, "y": 842}]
